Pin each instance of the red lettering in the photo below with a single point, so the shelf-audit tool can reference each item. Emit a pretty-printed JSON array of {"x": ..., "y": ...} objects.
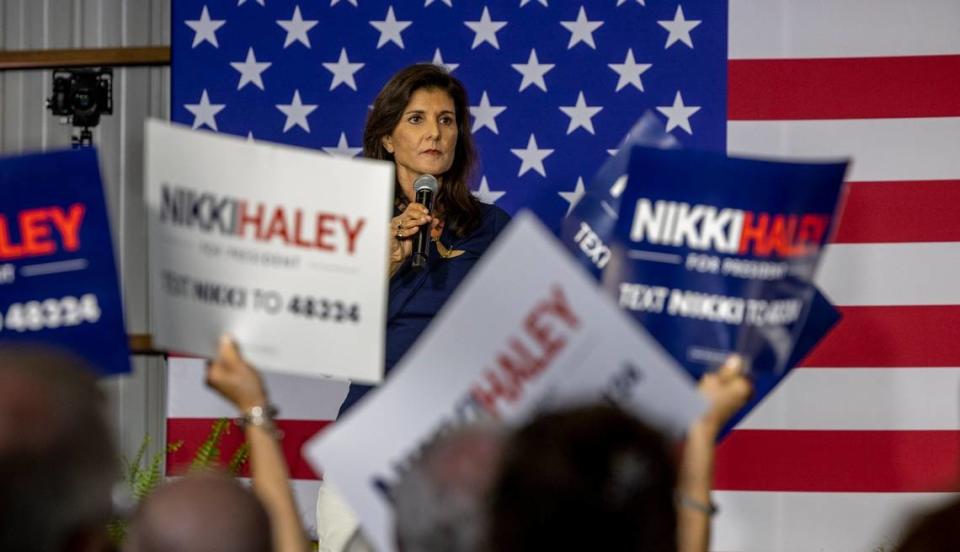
[
  {"x": 352, "y": 233},
  {"x": 756, "y": 234},
  {"x": 488, "y": 399},
  {"x": 519, "y": 364},
  {"x": 35, "y": 233},
  {"x": 256, "y": 220},
  {"x": 783, "y": 235},
  {"x": 298, "y": 228},
  {"x": 521, "y": 367},
  {"x": 8, "y": 250},
  {"x": 559, "y": 305},
  {"x": 777, "y": 239},
  {"x": 295, "y": 231},
  {"x": 277, "y": 227},
  {"x": 540, "y": 332},
  {"x": 323, "y": 231},
  {"x": 69, "y": 225}
]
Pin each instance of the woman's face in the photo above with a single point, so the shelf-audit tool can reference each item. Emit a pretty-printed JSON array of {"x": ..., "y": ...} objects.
[{"x": 425, "y": 139}]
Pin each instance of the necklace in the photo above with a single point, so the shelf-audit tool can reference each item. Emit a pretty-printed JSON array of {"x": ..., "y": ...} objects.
[{"x": 443, "y": 250}]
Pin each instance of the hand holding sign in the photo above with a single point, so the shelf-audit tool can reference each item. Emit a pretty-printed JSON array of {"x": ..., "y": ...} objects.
[
  {"x": 720, "y": 240},
  {"x": 233, "y": 378},
  {"x": 726, "y": 390},
  {"x": 715, "y": 255},
  {"x": 501, "y": 348}
]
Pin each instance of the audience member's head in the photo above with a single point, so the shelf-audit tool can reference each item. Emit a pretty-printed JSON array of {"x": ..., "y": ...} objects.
[
  {"x": 209, "y": 512},
  {"x": 590, "y": 478},
  {"x": 57, "y": 459},
  {"x": 441, "y": 503},
  {"x": 935, "y": 531}
]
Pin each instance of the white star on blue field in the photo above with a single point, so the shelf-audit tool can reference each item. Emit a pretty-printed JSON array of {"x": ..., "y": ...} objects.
[{"x": 553, "y": 85}]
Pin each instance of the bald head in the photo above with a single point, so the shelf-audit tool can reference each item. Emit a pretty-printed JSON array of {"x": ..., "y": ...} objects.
[{"x": 208, "y": 512}]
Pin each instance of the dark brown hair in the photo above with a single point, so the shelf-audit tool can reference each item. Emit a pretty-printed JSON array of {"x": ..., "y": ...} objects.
[
  {"x": 58, "y": 461},
  {"x": 595, "y": 469},
  {"x": 454, "y": 204},
  {"x": 934, "y": 531}
]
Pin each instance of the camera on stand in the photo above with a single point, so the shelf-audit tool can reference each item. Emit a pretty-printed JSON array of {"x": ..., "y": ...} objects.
[{"x": 79, "y": 97}]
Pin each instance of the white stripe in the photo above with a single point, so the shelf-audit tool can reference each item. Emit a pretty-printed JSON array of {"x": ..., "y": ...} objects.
[
  {"x": 654, "y": 256},
  {"x": 821, "y": 522},
  {"x": 861, "y": 399},
  {"x": 299, "y": 397},
  {"x": 57, "y": 267},
  {"x": 881, "y": 149},
  {"x": 842, "y": 28},
  {"x": 891, "y": 273}
]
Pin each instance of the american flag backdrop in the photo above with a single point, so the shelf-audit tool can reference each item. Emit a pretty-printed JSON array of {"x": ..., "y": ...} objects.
[
  {"x": 867, "y": 429},
  {"x": 553, "y": 87}
]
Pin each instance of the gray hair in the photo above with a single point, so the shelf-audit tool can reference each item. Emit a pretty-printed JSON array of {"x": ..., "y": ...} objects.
[{"x": 441, "y": 502}]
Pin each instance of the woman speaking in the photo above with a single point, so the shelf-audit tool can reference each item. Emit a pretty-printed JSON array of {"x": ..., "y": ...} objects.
[{"x": 420, "y": 121}]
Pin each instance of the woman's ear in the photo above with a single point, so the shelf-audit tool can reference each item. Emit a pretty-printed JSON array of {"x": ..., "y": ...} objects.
[{"x": 387, "y": 142}]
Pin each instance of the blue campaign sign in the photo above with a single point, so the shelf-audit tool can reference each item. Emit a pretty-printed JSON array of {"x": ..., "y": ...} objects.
[
  {"x": 58, "y": 278},
  {"x": 590, "y": 226},
  {"x": 822, "y": 318},
  {"x": 588, "y": 231},
  {"x": 715, "y": 254}
]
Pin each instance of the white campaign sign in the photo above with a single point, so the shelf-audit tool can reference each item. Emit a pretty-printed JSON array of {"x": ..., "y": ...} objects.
[
  {"x": 284, "y": 248},
  {"x": 528, "y": 330}
]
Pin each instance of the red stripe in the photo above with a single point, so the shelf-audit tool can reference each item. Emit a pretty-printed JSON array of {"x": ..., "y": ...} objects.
[
  {"x": 194, "y": 431},
  {"x": 908, "y": 336},
  {"x": 838, "y": 461},
  {"x": 843, "y": 88},
  {"x": 920, "y": 211}
]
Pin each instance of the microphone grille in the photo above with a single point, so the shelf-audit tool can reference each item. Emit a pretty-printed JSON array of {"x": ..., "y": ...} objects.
[{"x": 425, "y": 182}]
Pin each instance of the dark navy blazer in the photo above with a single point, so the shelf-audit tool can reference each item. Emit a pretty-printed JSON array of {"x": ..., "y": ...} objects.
[{"x": 416, "y": 296}]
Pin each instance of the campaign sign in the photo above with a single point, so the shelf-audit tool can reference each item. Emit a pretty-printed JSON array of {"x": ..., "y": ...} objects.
[
  {"x": 282, "y": 247},
  {"x": 502, "y": 348},
  {"x": 588, "y": 230},
  {"x": 58, "y": 278},
  {"x": 591, "y": 222},
  {"x": 715, "y": 254}
]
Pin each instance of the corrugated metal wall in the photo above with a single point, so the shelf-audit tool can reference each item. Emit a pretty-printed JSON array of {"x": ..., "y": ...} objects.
[{"x": 26, "y": 125}]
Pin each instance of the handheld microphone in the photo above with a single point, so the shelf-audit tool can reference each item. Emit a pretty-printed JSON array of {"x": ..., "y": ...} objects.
[{"x": 425, "y": 188}]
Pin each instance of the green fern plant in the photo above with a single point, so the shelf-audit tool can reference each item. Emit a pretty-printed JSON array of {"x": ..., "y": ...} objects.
[
  {"x": 141, "y": 477},
  {"x": 208, "y": 454},
  {"x": 239, "y": 458}
]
